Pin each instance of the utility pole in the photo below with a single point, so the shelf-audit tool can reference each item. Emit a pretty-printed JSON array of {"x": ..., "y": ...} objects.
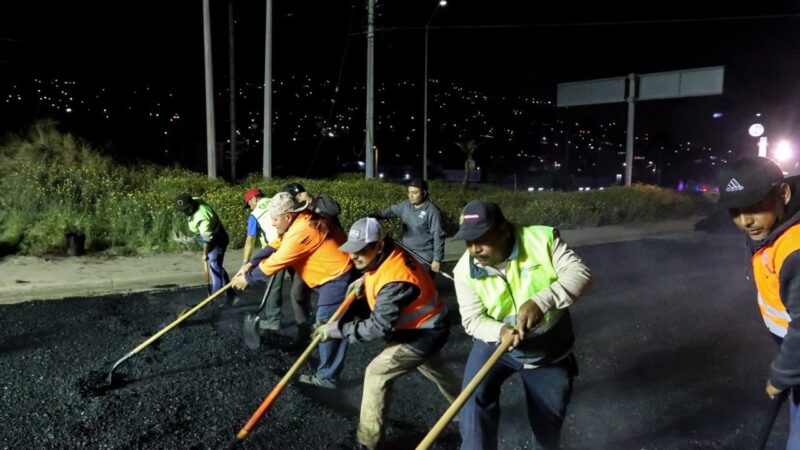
[
  {"x": 266, "y": 170},
  {"x": 232, "y": 87},
  {"x": 630, "y": 132},
  {"x": 370, "y": 135},
  {"x": 211, "y": 138}
]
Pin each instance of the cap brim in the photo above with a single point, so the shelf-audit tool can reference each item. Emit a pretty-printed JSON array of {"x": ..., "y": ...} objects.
[
  {"x": 352, "y": 246},
  {"x": 470, "y": 234}
]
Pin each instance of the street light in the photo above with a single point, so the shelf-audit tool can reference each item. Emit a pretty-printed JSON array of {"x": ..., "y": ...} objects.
[
  {"x": 442, "y": 4},
  {"x": 783, "y": 151}
]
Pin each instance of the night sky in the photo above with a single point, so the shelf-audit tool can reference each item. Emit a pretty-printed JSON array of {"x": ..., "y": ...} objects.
[{"x": 511, "y": 48}]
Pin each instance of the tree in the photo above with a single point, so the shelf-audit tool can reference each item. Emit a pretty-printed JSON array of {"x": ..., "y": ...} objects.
[{"x": 468, "y": 148}]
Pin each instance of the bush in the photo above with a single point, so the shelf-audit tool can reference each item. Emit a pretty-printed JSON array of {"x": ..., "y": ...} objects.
[{"x": 51, "y": 182}]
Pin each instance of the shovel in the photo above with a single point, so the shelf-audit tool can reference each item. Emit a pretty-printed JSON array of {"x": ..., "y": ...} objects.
[
  {"x": 245, "y": 431},
  {"x": 458, "y": 403},
  {"x": 249, "y": 330},
  {"x": 164, "y": 330}
]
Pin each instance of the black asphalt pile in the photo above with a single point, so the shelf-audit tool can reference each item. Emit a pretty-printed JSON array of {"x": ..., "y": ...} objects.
[{"x": 195, "y": 387}]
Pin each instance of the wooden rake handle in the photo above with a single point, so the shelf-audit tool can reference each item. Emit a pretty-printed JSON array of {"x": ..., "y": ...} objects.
[{"x": 458, "y": 403}]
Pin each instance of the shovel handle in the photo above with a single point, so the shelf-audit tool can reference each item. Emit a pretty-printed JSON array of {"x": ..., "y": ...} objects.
[
  {"x": 164, "y": 330},
  {"x": 766, "y": 426},
  {"x": 245, "y": 431},
  {"x": 458, "y": 403}
]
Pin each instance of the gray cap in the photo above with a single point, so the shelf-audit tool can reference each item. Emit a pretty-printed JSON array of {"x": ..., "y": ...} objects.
[
  {"x": 364, "y": 231},
  {"x": 747, "y": 181}
]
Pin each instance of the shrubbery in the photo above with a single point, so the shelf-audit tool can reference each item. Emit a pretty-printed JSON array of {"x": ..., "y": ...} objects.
[{"x": 51, "y": 182}]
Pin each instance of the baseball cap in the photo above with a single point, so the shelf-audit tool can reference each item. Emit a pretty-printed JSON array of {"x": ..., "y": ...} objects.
[
  {"x": 294, "y": 188},
  {"x": 478, "y": 217},
  {"x": 418, "y": 183},
  {"x": 249, "y": 195},
  {"x": 284, "y": 203},
  {"x": 185, "y": 203},
  {"x": 747, "y": 181},
  {"x": 364, "y": 231}
]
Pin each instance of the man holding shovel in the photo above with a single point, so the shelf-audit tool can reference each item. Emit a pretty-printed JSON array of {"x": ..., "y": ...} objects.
[
  {"x": 309, "y": 243},
  {"x": 210, "y": 235},
  {"x": 763, "y": 205},
  {"x": 406, "y": 312},
  {"x": 519, "y": 281}
]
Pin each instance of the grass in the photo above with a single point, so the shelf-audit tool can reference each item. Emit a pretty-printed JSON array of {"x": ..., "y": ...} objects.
[{"x": 53, "y": 182}]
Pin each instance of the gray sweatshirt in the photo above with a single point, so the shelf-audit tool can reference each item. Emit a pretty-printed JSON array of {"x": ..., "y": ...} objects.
[{"x": 422, "y": 228}]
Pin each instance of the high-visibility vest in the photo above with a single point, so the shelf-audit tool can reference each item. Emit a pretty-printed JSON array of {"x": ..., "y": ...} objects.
[
  {"x": 767, "y": 264},
  {"x": 266, "y": 231},
  {"x": 530, "y": 272},
  {"x": 204, "y": 213},
  {"x": 427, "y": 310}
]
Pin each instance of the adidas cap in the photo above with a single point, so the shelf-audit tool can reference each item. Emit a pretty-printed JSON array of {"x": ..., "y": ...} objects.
[{"x": 747, "y": 181}]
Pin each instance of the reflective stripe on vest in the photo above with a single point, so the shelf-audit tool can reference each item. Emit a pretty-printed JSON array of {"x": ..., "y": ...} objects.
[
  {"x": 267, "y": 232},
  {"x": 530, "y": 272},
  {"x": 767, "y": 264},
  {"x": 427, "y": 310}
]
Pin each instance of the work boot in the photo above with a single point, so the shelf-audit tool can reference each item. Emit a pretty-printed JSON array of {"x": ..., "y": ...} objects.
[
  {"x": 266, "y": 325},
  {"x": 313, "y": 380}
]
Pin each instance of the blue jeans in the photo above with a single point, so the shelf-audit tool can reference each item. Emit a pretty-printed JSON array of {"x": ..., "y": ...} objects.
[
  {"x": 332, "y": 351},
  {"x": 219, "y": 277},
  {"x": 793, "y": 442},
  {"x": 547, "y": 389}
]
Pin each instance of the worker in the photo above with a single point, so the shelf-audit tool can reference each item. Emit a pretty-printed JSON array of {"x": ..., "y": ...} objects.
[
  {"x": 516, "y": 282},
  {"x": 210, "y": 234},
  {"x": 309, "y": 244},
  {"x": 422, "y": 224},
  {"x": 762, "y": 203},
  {"x": 406, "y": 312}
]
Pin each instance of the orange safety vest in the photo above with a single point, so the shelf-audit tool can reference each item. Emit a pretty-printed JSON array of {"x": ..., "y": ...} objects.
[
  {"x": 767, "y": 264},
  {"x": 426, "y": 310},
  {"x": 315, "y": 255}
]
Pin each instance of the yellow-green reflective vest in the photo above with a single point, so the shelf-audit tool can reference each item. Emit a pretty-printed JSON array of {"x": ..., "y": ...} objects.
[
  {"x": 267, "y": 232},
  {"x": 530, "y": 272},
  {"x": 204, "y": 223}
]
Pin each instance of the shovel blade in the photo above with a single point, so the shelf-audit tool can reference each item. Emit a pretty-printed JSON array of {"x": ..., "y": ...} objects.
[{"x": 250, "y": 332}]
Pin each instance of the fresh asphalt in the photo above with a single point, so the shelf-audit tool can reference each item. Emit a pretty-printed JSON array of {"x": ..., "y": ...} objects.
[{"x": 671, "y": 349}]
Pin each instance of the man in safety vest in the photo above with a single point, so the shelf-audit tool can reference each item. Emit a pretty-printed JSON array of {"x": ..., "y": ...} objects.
[
  {"x": 210, "y": 234},
  {"x": 261, "y": 232},
  {"x": 516, "y": 281},
  {"x": 308, "y": 243},
  {"x": 757, "y": 196},
  {"x": 406, "y": 312}
]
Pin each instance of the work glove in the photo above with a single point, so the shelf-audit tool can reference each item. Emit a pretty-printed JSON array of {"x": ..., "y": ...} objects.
[
  {"x": 356, "y": 286},
  {"x": 326, "y": 331},
  {"x": 239, "y": 283}
]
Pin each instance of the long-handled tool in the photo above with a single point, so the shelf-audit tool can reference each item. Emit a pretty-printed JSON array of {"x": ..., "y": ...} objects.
[
  {"x": 245, "y": 431},
  {"x": 164, "y": 330},
  {"x": 249, "y": 332},
  {"x": 458, "y": 403},
  {"x": 766, "y": 426},
  {"x": 207, "y": 277},
  {"x": 428, "y": 263}
]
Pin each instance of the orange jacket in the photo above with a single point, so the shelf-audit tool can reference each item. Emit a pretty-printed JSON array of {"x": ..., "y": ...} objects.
[
  {"x": 310, "y": 249},
  {"x": 767, "y": 264},
  {"x": 426, "y": 310}
]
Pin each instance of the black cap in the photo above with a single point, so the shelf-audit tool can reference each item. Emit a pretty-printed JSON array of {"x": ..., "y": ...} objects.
[
  {"x": 747, "y": 181},
  {"x": 185, "y": 203},
  {"x": 418, "y": 183},
  {"x": 478, "y": 217},
  {"x": 293, "y": 188}
]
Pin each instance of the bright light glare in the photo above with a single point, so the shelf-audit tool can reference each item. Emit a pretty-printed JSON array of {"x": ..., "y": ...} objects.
[
  {"x": 783, "y": 152},
  {"x": 443, "y": 3}
]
